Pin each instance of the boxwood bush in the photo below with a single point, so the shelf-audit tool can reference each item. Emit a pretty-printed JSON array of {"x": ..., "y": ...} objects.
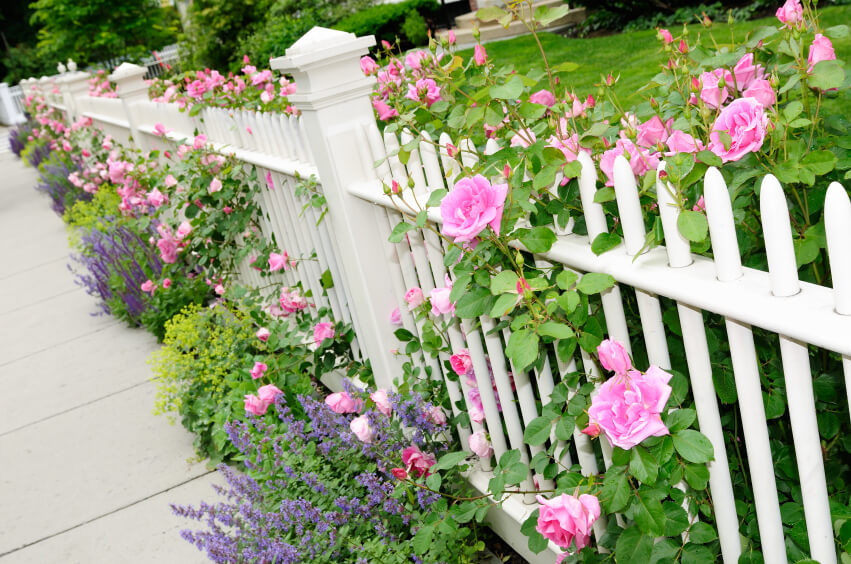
[{"x": 408, "y": 21}]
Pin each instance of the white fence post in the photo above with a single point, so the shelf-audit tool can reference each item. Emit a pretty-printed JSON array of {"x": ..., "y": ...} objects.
[
  {"x": 333, "y": 96},
  {"x": 130, "y": 85},
  {"x": 73, "y": 85}
]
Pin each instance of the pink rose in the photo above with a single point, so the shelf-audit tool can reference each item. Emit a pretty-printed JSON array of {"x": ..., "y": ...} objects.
[
  {"x": 700, "y": 205},
  {"x": 156, "y": 198},
  {"x": 666, "y": 36},
  {"x": 322, "y": 331},
  {"x": 744, "y": 121},
  {"x": 342, "y": 402},
  {"x": 184, "y": 229},
  {"x": 368, "y": 65},
  {"x": 681, "y": 142},
  {"x": 566, "y": 518},
  {"x": 268, "y": 393},
  {"x": 613, "y": 357},
  {"x": 745, "y": 72},
  {"x": 416, "y": 462},
  {"x": 480, "y": 56},
  {"x": 436, "y": 415},
  {"x": 255, "y": 405},
  {"x": 160, "y": 130},
  {"x": 523, "y": 139},
  {"x": 414, "y": 297},
  {"x": 168, "y": 250},
  {"x": 167, "y": 283},
  {"x": 399, "y": 473},
  {"x": 640, "y": 160},
  {"x": 543, "y": 97},
  {"x": 450, "y": 37},
  {"x": 263, "y": 334},
  {"x": 653, "y": 131},
  {"x": 592, "y": 430},
  {"x": 278, "y": 261},
  {"x": 258, "y": 370},
  {"x": 480, "y": 445},
  {"x": 439, "y": 298},
  {"x": 148, "y": 286},
  {"x": 200, "y": 141},
  {"x": 461, "y": 362},
  {"x": 472, "y": 205},
  {"x": 627, "y": 408},
  {"x": 820, "y": 50},
  {"x": 385, "y": 112},
  {"x": 219, "y": 289},
  {"x": 360, "y": 427},
  {"x": 568, "y": 145},
  {"x": 215, "y": 185},
  {"x": 711, "y": 92},
  {"x": 291, "y": 301},
  {"x": 762, "y": 92},
  {"x": 791, "y": 14},
  {"x": 382, "y": 402},
  {"x": 424, "y": 90},
  {"x": 396, "y": 316}
]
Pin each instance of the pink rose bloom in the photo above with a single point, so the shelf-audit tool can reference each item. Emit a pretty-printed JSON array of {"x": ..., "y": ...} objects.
[
  {"x": 382, "y": 402},
  {"x": 568, "y": 145},
  {"x": 278, "y": 261},
  {"x": 820, "y": 50},
  {"x": 568, "y": 519},
  {"x": 480, "y": 445},
  {"x": 416, "y": 462},
  {"x": 215, "y": 185},
  {"x": 480, "y": 56},
  {"x": 472, "y": 205},
  {"x": 745, "y": 122},
  {"x": 627, "y": 408},
  {"x": 461, "y": 362},
  {"x": 640, "y": 160},
  {"x": 523, "y": 139},
  {"x": 268, "y": 393},
  {"x": 184, "y": 229},
  {"x": 156, "y": 198},
  {"x": 168, "y": 250},
  {"x": 360, "y": 427},
  {"x": 322, "y": 331},
  {"x": 681, "y": 142},
  {"x": 219, "y": 289},
  {"x": 592, "y": 430},
  {"x": 148, "y": 286},
  {"x": 160, "y": 130},
  {"x": 170, "y": 181},
  {"x": 258, "y": 370},
  {"x": 613, "y": 357},
  {"x": 711, "y": 93},
  {"x": 415, "y": 59},
  {"x": 269, "y": 182},
  {"x": 666, "y": 36},
  {"x": 745, "y": 72},
  {"x": 263, "y": 334},
  {"x": 255, "y": 405},
  {"x": 384, "y": 111},
  {"x": 700, "y": 205},
  {"x": 439, "y": 298},
  {"x": 451, "y": 37},
  {"x": 762, "y": 92},
  {"x": 368, "y": 65},
  {"x": 543, "y": 97},
  {"x": 653, "y": 131},
  {"x": 342, "y": 402},
  {"x": 475, "y": 412},
  {"x": 790, "y": 14},
  {"x": 292, "y": 301},
  {"x": 424, "y": 90},
  {"x": 399, "y": 473},
  {"x": 436, "y": 415},
  {"x": 414, "y": 297},
  {"x": 396, "y": 316},
  {"x": 200, "y": 141}
]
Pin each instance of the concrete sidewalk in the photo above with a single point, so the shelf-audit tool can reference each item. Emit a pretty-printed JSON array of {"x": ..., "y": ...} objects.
[{"x": 86, "y": 471}]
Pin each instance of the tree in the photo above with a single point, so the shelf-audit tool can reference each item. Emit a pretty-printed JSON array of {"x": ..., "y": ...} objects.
[{"x": 97, "y": 30}]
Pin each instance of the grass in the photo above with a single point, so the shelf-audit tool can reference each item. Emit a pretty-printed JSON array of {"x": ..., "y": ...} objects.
[{"x": 636, "y": 56}]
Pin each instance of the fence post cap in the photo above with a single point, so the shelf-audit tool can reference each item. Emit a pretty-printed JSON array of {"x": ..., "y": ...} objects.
[
  {"x": 319, "y": 45},
  {"x": 127, "y": 70}
]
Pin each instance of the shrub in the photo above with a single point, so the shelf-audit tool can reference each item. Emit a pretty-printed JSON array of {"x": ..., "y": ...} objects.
[
  {"x": 386, "y": 20},
  {"x": 53, "y": 172}
]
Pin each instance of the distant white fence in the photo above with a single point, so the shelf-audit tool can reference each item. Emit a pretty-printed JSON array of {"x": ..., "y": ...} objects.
[{"x": 337, "y": 139}]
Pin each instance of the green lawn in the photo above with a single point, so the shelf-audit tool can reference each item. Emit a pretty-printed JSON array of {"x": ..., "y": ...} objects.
[{"x": 636, "y": 56}]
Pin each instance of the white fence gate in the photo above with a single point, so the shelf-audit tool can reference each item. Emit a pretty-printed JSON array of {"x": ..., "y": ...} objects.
[{"x": 337, "y": 140}]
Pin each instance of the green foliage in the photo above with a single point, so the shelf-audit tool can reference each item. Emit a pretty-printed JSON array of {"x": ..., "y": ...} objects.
[
  {"x": 97, "y": 30},
  {"x": 386, "y": 21}
]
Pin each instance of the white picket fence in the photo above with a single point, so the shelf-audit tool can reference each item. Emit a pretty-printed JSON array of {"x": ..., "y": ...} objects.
[{"x": 337, "y": 140}]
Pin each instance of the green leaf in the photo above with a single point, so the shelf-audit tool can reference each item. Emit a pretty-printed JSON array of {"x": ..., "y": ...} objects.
[
  {"x": 643, "y": 466},
  {"x": 537, "y": 542},
  {"x": 605, "y": 242},
  {"x": 594, "y": 283},
  {"x": 490, "y": 13},
  {"x": 327, "y": 280},
  {"x": 399, "y": 231},
  {"x": 456, "y": 117},
  {"x": 522, "y": 348},
  {"x": 806, "y": 251},
  {"x": 709, "y": 158},
  {"x": 566, "y": 66},
  {"x": 546, "y": 15},
  {"x": 666, "y": 550},
  {"x": 566, "y": 279},
  {"x": 505, "y": 281},
  {"x": 701, "y": 533},
  {"x": 693, "y": 225},
  {"x": 680, "y": 419},
  {"x": 792, "y": 110},
  {"x": 648, "y": 513},
  {"x": 676, "y": 519},
  {"x": 545, "y": 178},
  {"x": 537, "y": 239},
  {"x": 819, "y": 162},
  {"x": 449, "y": 460},
  {"x": 537, "y": 431},
  {"x": 633, "y": 547},
  {"x": 616, "y": 492},
  {"x": 696, "y": 475},
  {"x": 435, "y": 197},
  {"x": 693, "y": 446},
  {"x": 564, "y": 428},
  {"x": 511, "y": 90},
  {"x": 474, "y": 116},
  {"x": 503, "y": 305},
  {"x": 604, "y": 194},
  {"x": 472, "y": 304},
  {"x": 555, "y": 330},
  {"x": 837, "y": 31},
  {"x": 530, "y": 111},
  {"x": 697, "y": 554},
  {"x": 790, "y": 84},
  {"x": 826, "y": 75},
  {"x": 422, "y": 540}
]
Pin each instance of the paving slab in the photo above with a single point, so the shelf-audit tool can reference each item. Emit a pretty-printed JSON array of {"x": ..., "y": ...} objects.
[
  {"x": 142, "y": 533},
  {"x": 73, "y": 374},
  {"x": 36, "y": 284},
  {"x": 86, "y": 463}
]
